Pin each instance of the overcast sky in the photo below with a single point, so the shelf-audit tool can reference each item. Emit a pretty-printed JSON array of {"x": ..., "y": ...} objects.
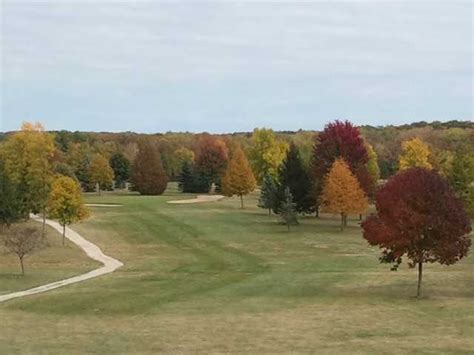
[{"x": 231, "y": 66}]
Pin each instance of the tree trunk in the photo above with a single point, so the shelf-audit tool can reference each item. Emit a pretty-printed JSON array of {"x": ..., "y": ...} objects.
[
  {"x": 317, "y": 211},
  {"x": 22, "y": 266},
  {"x": 43, "y": 227},
  {"x": 64, "y": 233},
  {"x": 420, "y": 277},
  {"x": 269, "y": 211},
  {"x": 288, "y": 225},
  {"x": 360, "y": 217},
  {"x": 241, "y": 201},
  {"x": 345, "y": 220}
]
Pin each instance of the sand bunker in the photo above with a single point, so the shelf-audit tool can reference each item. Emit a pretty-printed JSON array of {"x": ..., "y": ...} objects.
[
  {"x": 102, "y": 205},
  {"x": 198, "y": 199}
]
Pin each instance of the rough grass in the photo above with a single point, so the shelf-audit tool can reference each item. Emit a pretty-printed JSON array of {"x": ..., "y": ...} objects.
[{"x": 211, "y": 278}]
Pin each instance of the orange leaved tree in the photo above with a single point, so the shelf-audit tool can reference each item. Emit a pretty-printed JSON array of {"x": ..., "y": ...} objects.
[
  {"x": 342, "y": 192},
  {"x": 238, "y": 179}
]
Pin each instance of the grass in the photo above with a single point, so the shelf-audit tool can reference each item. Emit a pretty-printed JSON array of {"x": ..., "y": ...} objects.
[
  {"x": 52, "y": 263},
  {"x": 212, "y": 278}
]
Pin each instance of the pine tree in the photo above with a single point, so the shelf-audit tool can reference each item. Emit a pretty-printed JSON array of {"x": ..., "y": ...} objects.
[
  {"x": 268, "y": 194},
  {"x": 238, "y": 179},
  {"x": 292, "y": 174},
  {"x": 148, "y": 177},
  {"x": 415, "y": 153},
  {"x": 186, "y": 178},
  {"x": 342, "y": 192},
  {"x": 287, "y": 210}
]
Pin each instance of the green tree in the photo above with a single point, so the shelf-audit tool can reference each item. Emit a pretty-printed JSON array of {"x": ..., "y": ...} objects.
[
  {"x": 268, "y": 194},
  {"x": 65, "y": 202},
  {"x": 122, "y": 169},
  {"x": 462, "y": 171},
  {"x": 293, "y": 175},
  {"x": 287, "y": 210},
  {"x": 11, "y": 209}
]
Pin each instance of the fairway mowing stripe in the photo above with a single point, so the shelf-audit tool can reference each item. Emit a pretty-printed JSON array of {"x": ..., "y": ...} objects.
[{"x": 92, "y": 251}]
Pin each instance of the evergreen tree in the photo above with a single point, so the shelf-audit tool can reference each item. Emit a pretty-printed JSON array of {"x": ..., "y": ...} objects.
[
  {"x": 268, "y": 194},
  {"x": 122, "y": 169},
  {"x": 292, "y": 174},
  {"x": 287, "y": 210},
  {"x": 186, "y": 178}
]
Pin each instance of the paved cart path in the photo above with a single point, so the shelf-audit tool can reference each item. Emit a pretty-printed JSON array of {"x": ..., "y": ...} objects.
[{"x": 92, "y": 250}]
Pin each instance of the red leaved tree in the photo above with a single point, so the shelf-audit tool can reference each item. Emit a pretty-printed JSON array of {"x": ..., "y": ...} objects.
[
  {"x": 211, "y": 158},
  {"x": 340, "y": 140},
  {"x": 418, "y": 215}
]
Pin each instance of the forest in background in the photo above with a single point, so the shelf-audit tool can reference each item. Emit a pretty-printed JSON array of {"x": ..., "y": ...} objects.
[{"x": 444, "y": 139}]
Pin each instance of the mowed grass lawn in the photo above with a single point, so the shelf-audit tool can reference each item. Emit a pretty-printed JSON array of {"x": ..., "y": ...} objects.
[
  {"x": 212, "y": 278},
  {"x": 51, "y": 263}
]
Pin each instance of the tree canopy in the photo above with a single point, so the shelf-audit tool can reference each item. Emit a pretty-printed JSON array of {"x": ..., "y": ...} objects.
[
  {"x": 342, "y": 193},
  {"x": 266, "y": 153},
  {"x": 148, "y": 177},
  {"x": 415, "y": 153},
  {"x": 293, "y": 174},
  {"x": 418, "y": 216},
  {"x": 238, "y": 179},
  {"x": 340, "y": 140}
]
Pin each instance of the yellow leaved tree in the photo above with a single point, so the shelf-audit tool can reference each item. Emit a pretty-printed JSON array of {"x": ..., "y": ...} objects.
[
  {"x": 65, "y": 202},
  {"x": 100, "y": 172},
  {"x": 415, "y": 153},
  {"x": 372, "y": 164},
  {"x": 267, "y": 153},
  {"x": 28, "y": 160},
  {"x": 342, "y": 192},
  {"x": 238, "y": 179}
]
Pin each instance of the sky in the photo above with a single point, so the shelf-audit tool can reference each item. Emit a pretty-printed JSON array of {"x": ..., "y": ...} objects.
[{"x": 228, "y": 66}]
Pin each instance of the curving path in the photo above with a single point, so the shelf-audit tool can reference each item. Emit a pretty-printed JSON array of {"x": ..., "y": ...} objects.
[
  {"x": 198, "y": 199},
  {"x": 92, "y": 250}
]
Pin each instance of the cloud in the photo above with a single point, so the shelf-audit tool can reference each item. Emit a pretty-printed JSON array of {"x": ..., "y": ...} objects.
[{"x": 363, "y": 49}]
